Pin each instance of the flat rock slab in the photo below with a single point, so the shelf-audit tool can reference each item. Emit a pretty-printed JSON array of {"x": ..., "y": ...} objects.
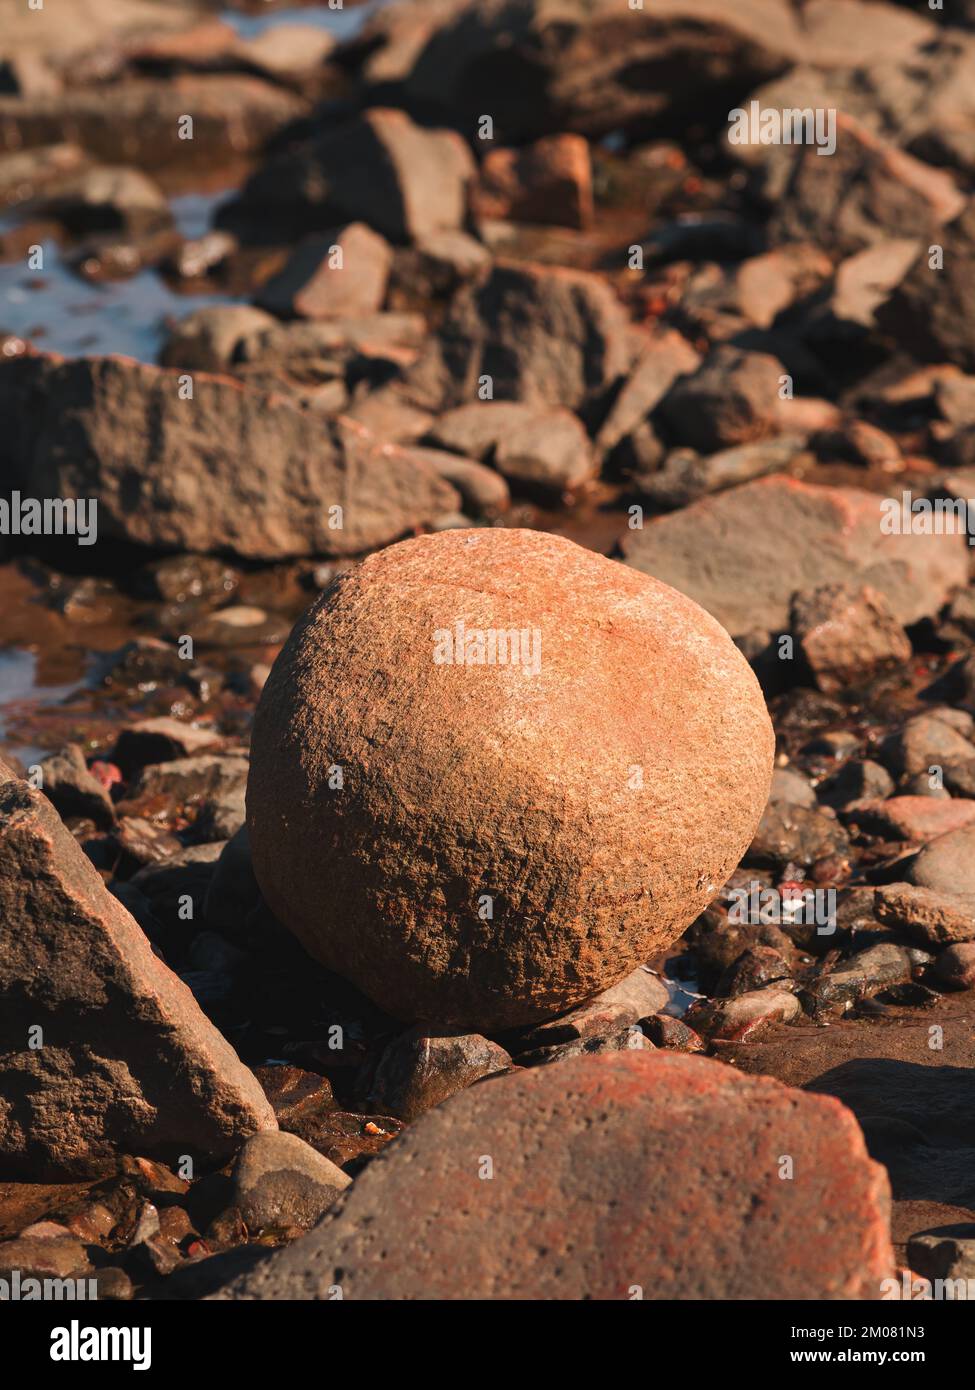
[
  {"x": 807, "y": 536},
  {"x": 909, "y": 1079},
  {"x": 122, "y": 432},
  {"x": 598, "y": 1174},
  {"x": 124, "y": 1061}
]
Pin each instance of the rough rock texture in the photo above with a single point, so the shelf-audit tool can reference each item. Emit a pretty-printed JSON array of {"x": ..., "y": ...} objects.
[
  {"x": 120, "y": 431},
  {"x": 508, "y": 838},
  {"x": 128, "y": 1061},
  {"x": 625, "y": 1169},
  {"x": 279, "y": 1180},
  {"x": 419, "y": 1070},
  {"x": 848, "y": 634},
  {"x": 543, "y": 335},
  {"x": 745, "y": 572}
]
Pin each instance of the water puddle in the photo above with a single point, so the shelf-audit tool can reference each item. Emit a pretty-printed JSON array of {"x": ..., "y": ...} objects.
[
  {"x": 22, "y": 695},
  {"x": 343, "y": 22},
  {"x": 63, "y": 313}
]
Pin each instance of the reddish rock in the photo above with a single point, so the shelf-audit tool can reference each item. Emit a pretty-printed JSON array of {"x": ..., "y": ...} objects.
[
  {"x": 746, "y": 1014},
  {"x": 626, "y": 1174},
  {"x": 127, "y": 434},
  {"x": 932, "y": 917},
  {"x": 807, "y": 536},
  {"x": 917, "y": 818},
  {"x": 454, "y": 884},
  {"x": 341, "y": 273},
  {"x": 128, "y": 1063},
  {"x": 908, "y": 1076},
  {"x": 925, "y": 742},
  {"x": 848, "y": 634},
  {"x": 548, "y": 182}
]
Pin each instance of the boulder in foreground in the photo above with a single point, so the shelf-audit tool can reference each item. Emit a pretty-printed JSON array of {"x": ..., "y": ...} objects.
[
  {"x": 609, "y": 1177},
  {"x": 102, "y": 1049},
  {"x": 493, "y": 772}
]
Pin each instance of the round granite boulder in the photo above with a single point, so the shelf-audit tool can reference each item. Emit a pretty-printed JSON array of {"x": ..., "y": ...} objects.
[{"x": 492, "y": 772}]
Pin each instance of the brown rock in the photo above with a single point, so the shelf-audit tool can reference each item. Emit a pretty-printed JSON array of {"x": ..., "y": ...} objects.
[
  {"x": 419, "y": 1070},
  {"x": 341, "y": 273},
  {"x": 138, "y": 121},
  {"x": 542, "y": 335},
  {"x": 932, "y": 310},
  {"x": 916, "y": 818},
  {"x": 160, "y": 740},
  {"x": 594, "y": 66},
  {"x": 122, "y": 432},
  {"x": 545, "y": 448},
  {"x": 379, "y": 168},
  {"x": 848, "y": 634},
  {"x": 128, "y": 1063},
  {"x": 497, "y": 905},
  {"x": 732, "y": 399},
  {"x": 932, "y": 917},
  {"x": 548, "y": 182},
  {"x": 947, "y": 863},
  {"x": 956, "y": 966},
  {"x": 279, "y": 1180},
  {"x": 626, "y": 1172},
  {"x": 834, "y": 536}
]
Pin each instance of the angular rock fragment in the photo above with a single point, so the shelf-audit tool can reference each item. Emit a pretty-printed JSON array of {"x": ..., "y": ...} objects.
[
  {"x": 102, "y": 1050},
  {"x": 419, "y": 1070},
  {"x": 595, "y": 67},
  {"x": 847, "y": 634},
  {"x": 548, "y": 449},
  {"x": 540, "y": 335},
  {"x": 379, "y": 168},
  {"x": 631, "y": 1143},
  {"x": 935, "y": 918},
  {"x": 341, "y": 273},
  {"x": 549, "y": 181},
  {"x": 279, "y": 1180},
  {"x": 732, "y": 399},
  {"x": 808, "y": 536}
]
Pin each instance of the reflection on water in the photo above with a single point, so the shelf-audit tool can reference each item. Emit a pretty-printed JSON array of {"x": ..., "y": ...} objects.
[
  {"x": 20, "y": 693},
  {"x": 344, "y": 23},
  {"x": 63, "y": 313}
]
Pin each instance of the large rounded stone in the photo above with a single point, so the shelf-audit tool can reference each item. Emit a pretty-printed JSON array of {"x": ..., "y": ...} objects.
[
  {"x": 483, "y": 845},
  {"x": 624, "y": 1175}
]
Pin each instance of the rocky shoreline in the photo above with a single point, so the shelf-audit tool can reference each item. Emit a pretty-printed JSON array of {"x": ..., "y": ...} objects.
[{"x": 393, "y": 904}]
